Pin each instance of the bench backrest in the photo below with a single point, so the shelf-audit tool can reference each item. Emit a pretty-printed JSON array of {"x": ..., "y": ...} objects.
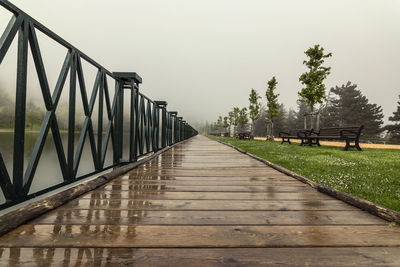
[
  {"x": 347, "y": 131},
  {"x": 297, "y": 132}
]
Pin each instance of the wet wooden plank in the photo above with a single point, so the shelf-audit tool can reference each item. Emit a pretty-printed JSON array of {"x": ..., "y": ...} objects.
[
  {"x": 208, "y": 173},
  {"x": 132, "y": 204},
  {"x": 215, "y": 182},
  {"x": 153, "y": 217},
  {"x": 199, "y": 236},
  {"x": 203, "y": 188},
  {"x": 283, "y": 178},
  {"x": 109, "y": 194},
  {"x": 366, "y": 256}
]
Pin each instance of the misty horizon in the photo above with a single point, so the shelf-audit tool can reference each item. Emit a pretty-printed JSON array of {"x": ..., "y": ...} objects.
[{"x": 203, "y": 58}]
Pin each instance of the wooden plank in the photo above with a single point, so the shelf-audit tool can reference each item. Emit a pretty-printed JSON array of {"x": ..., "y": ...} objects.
[
  {"x": 134, "y": 204},
  {"x": 367, "y": 256},
  {"x": 199, "y": 236},
  {"x": 156, "y": 217},
  {"x": 147, "y": 195},
  {"x": 203, "y": 188},
  {"x": 218, "y": 182},
  {"x": 207, "y": 173},
  {"x": 207, "y": 179}
]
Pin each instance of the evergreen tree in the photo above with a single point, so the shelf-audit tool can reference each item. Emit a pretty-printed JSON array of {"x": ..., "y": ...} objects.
[
  {"x": 291, "y": 120},
  {"x": 303, "y": 109},
  {"x": 348, "y": 107},
  {"x": 272, "y": 104},
  {"x": 394, "y": 129},
  {"x": 314, "y": 90},
  {"x": 259, "y": 125},
  {"x": 280, "y": 121},
  {"x": 254, "y": 108}
]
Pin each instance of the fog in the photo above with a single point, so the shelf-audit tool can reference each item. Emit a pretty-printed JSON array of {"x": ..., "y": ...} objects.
[{"x": 203, "y": 57}]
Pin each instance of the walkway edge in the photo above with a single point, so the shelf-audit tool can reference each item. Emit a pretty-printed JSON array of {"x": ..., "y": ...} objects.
[
  {"x": 15, "y": 218},
  {"x": 380, "y": 211}
]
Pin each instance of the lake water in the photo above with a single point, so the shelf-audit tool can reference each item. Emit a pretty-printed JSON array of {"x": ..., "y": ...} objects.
[{"x": 48, "y": 172}]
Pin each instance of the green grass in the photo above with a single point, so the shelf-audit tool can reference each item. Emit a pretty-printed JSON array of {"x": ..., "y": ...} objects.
[{"x": 371, "y": 174}]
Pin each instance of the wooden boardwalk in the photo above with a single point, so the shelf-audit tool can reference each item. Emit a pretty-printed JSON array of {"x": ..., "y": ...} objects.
[{"x": 199, "y": 204}]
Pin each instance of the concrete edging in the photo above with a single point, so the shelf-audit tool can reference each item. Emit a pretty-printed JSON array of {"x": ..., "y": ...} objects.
[
  {"x": 380, "y": 211},
  {"x": 15, "y": 218}
]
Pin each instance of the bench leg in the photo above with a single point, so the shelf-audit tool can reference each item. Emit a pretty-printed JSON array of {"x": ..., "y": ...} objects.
[
  {"x": 310, "y": 143},
  {"x": 302, "y": 142},
  {"x": 358, "y": 145},
  {"x": 318, "y": 142},
  {"x": 347, "y": 145}
]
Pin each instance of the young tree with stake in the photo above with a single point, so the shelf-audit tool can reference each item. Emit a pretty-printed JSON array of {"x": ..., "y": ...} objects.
[
  {"x": 242, "y": 119},
  {"x": 254, "y": 108},
  {"x": 272, "y": 105},
  {"x": 233, "y": 117},
  {"x": 314, "y": 91}
]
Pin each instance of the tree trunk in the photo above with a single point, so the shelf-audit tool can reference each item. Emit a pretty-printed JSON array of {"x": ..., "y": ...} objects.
[
  {"x": 312, "y": 118},
  {"x": 272, "y": 129}
]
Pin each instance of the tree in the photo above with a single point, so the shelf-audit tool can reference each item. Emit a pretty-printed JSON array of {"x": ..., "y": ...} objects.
[
  {"x": 291, "y": 120},
  {"x": 259, "y": 125},
  {"x": 272, "y": 104},
  {"x": 314, "y": 90},
  {"x": 242, "y": 119},
  {"x": 233, "y": 117},
  {"x": 225, "y": 123},
  {"x": 219, "y": 124},
  {"x": 349, "y": 107},
  {"x": 34, "y": 114},
  {"x": 280, "y": 121},
  {"x": 302, "y": 110},
  {"x": 394, "y": 129},
  {"x": 6, "y": 110},
  {"x": 254, "y": 108}
]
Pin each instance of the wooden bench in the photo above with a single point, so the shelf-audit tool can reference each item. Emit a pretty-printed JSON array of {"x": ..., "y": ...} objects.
[
  {"x": 245, "y": 135},
  {"x": 347, "y": 133},
  {"x": 295, "y": 134}
]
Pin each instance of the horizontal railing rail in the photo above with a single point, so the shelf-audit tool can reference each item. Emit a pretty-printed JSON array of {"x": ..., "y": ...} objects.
[{"x": 151, "y": 127}]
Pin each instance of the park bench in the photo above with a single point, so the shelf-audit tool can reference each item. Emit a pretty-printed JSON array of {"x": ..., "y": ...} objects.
[
  {"x": 347, "y": 133},
  {"x": 245, "y": 135},
  {"x": 295, "y": 134}
]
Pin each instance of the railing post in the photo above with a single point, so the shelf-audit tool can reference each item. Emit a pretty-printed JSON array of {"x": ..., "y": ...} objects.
[
  {"x": 129, "y": 81},
  {"x": 20, "y": 108},
  {"x": 173, "y": 127},
  {"x": 179, "y": 128},
  {"x": 164, "y": 124}
]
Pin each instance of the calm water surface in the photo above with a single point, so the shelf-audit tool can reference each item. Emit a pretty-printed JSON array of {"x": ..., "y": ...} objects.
[{"x": 48, "y": 172}]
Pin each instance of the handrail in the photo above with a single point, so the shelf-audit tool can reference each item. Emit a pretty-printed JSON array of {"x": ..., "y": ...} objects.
[{"x": 145, "y": 123}]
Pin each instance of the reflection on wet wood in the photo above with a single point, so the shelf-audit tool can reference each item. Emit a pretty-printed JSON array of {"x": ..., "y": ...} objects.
[
  {"x": 171, "y": 217},
  {"x": 201, "y": 188},
  {"x": 215, "y": 182},
  {"x": 207, "y": 201},
  {"x": 111, "y": 257},
  {"x": 200, "y": 236},
  {"x": 144, "y": 195},
  {"x": 131, "y": 204}
]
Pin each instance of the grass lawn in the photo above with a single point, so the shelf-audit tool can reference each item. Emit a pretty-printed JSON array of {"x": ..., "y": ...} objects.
[{"x": 371, "y": 174}]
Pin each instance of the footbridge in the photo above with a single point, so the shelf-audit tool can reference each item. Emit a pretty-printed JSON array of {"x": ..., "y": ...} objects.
[{"x": 168, "y": 197}]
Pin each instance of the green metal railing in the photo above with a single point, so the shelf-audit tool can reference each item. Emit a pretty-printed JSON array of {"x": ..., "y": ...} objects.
[{"x": 151, "y": 127}]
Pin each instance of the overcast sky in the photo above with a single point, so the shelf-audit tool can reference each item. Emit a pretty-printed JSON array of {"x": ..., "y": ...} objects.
[{"x": 204, "y": 56}]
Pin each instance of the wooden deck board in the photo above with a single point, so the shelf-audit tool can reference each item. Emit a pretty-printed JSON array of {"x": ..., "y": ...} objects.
[{"x": 203, "y": 204}]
